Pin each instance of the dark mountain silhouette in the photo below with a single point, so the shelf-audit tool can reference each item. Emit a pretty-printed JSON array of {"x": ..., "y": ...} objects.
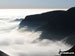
[
  {"x": 55, "y": 25},
  {"x": 3, "y": 54},
  {"x": 38, "y": 20}
]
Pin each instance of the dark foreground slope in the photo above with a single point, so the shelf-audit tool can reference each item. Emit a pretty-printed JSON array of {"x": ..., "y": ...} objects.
[
  {"x": 55, "y": 25},
  {"x": 3, "y": 54},
  {"x": 71, "y": 50}
]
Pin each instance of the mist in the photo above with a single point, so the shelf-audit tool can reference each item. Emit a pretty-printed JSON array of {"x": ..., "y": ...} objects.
[
  {"x": 26, "y": 43},
  {"x": 21, "y": 42}
]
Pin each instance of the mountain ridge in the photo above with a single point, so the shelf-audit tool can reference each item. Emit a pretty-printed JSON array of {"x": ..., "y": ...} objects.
[{"x": 55, "y": 25}]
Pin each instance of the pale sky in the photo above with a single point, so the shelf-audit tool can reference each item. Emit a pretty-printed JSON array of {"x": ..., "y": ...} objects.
[{"x": 37, "y": 3}]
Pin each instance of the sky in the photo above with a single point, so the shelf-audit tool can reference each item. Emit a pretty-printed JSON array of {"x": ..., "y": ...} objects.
[{"x": 37, "y": 3}]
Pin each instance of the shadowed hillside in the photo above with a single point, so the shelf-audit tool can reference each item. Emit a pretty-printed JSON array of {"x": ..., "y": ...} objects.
[
  {"x": 3, "y": 54},
  {"x": 55, "y": 25}
]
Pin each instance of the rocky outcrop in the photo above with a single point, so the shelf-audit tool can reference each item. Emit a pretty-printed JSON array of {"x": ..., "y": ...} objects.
[{"x": 55, "y": 25}]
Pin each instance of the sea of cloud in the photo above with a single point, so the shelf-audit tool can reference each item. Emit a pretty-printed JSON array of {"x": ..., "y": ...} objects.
[{"x": 16, "y": 42}]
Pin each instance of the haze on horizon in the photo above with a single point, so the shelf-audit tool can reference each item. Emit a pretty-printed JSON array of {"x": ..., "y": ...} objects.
[{"x": 8, "y": 4}]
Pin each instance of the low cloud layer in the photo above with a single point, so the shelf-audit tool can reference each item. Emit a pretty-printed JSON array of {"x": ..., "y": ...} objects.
[{"x": 18, "y": 43}]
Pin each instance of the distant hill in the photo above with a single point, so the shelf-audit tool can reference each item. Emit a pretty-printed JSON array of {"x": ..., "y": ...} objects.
[{"x": 55, "y": 25}]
